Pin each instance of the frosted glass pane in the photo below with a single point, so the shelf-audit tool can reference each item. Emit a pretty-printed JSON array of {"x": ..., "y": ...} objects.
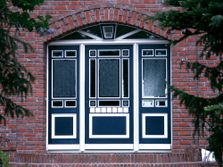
[
  {"x": 154, "y": 76},
  {"x": 109, "y": 78},
  {"x": 64, "y": 78}
]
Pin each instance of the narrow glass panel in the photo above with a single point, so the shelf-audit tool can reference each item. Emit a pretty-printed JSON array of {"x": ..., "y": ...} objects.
[
  {"x": 109, "y": 103},
  {"x": 109, "y": 52},
  {"x": 154, "y": 77},
  {"x": 125, "y": 78},
  {"x": 109, "y": 78},
  {"x": 71, "y": 53},
  {"x": 64, "y": 78},
  {"x": 92, "y": 78},
  {"x": 57, "y": 53},
  {"x": 147, "y": 52},
  {"x": 70, "y": 103},
  {"x": 161, "y": 52},
  {"x": 57, "y": 103}
]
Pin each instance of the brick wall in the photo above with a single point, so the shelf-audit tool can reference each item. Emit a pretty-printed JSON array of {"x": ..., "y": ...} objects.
[{"x": 30, "y": 133}]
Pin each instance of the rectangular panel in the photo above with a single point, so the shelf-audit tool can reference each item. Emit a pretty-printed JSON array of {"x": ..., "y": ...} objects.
[
  {"x": 92, "y": 78},
  {"x": 147, "y": 52},
  {"x": 154, "y": 126},
  {"x": 57, "y": 53},
  {"x": 161, "y": 52},
  {"x": 125, "y": 78},
  {"x": 57, "y": 104},
  {"x": 109, "y": 80},
  {"x": 105, "y": 53},
  {"x": 64, "y": 78},
  {"x": 70, "y": 53},
  {"x": 109, "y": 103},
  {"x": 154, "y": 78},
  {"x": 109, "y": 126},
  {"x": 70, "y": 103}
]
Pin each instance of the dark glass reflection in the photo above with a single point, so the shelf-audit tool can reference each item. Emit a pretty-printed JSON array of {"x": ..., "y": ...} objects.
[
  {"x": 109, "y": 78},
  {"x": 64, "y": 78}
]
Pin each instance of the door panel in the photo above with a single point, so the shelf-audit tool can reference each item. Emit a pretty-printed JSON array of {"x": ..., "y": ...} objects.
[
  {"x": 108, "y": 94},
  {"x": 63, "y": 103},
  {"x": 154, "y": 97}
]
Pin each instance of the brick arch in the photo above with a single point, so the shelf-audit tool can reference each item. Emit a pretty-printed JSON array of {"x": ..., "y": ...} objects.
[{"x": 107, "y": 13}]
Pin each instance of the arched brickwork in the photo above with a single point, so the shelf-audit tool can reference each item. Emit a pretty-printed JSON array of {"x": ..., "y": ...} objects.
[{"x": 105, "y": 13}]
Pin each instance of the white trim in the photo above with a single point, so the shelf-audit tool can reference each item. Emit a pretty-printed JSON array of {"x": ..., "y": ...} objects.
[
  {"x": 82, "y": 98},
  {"x": 63, "y": 147},
  {"x": 146, "y": 136},
  {"x": 93, "y": 136},
  {"x": 54, "y": 136},
  {"x": 135, "y": 104},
  {"x": 155, "y": 147},
  {"x": 47, "y": 97},
  {"x": 108, "y": 42},
  {"x": 128, "y": 34},
  {"x": 108, "y": 146}
]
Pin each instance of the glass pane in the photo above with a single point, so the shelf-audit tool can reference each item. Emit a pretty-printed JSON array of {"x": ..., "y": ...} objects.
[
  {"x": 154, "y": 77},
  {"x": 143, "y": 35},
  {"x": 75, "y": 35},
  {"x": 125, "y": 78},
  {"x": 109, "y": 52},
  {"x": 109, "y": 103},
  {"x": 95, "y": 30},
  {"x": 64, "y": 78},
  {"x": 122, "y": 29},
  {"x": 109, "y": 78},
  {"x": 92, "y": 78}
]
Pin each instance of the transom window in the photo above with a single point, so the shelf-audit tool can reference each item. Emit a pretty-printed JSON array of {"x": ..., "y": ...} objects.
[{"x": 108, "y": 90}]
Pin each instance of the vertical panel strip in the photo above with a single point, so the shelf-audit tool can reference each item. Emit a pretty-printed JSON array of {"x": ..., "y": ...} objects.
[
  {"x": 136, "y": 96},
  {"x": 82, "y": 97}
]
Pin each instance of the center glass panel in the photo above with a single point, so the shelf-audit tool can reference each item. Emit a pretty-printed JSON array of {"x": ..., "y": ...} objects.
[{"x": 109, "y": 79}]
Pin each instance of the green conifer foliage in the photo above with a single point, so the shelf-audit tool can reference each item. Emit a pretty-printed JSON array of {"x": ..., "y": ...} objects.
[
  {"x": 203, "y": 19},
  {"x": 14, "y": 77}
]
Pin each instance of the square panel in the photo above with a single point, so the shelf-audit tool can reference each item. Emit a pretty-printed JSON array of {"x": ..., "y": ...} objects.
[
  {"x": 64, "y": 126},
  {"x": 154, "y": 125}
]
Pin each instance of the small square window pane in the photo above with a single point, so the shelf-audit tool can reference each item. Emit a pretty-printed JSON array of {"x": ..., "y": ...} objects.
[{"x": 63, "y": 126}]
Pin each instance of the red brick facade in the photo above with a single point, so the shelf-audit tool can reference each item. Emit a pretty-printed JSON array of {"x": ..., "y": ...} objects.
[{"x": 28, "y": 136}]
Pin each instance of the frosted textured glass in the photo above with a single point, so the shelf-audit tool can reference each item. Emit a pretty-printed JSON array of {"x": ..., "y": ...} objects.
[
  {"x": 109, "y": 78},
  {"x": 154, "y": 76},
  {"x": 64, "y": 78}
]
